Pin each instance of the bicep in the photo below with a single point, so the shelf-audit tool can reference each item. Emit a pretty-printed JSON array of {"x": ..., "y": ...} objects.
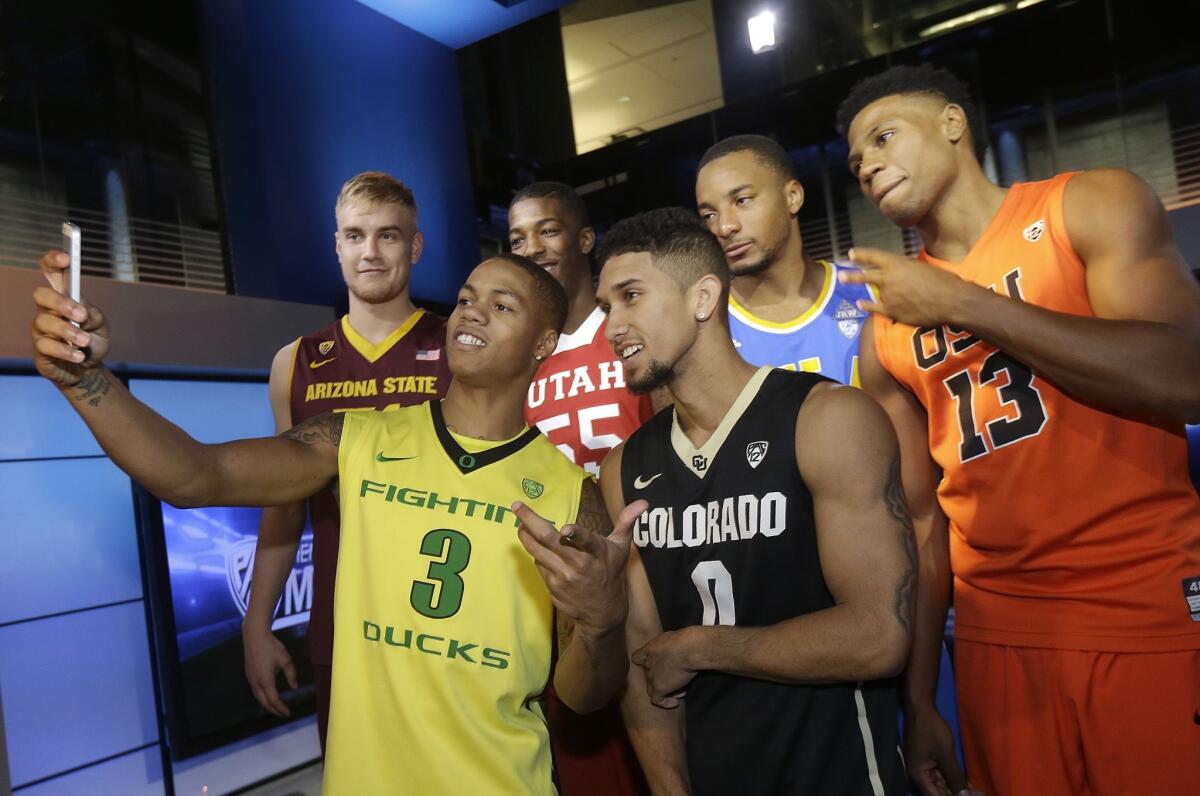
[
  {"x": 850, "y": 460},
  {"x": 1119, "y": 228},
  {"x": 279, "y": 386}
]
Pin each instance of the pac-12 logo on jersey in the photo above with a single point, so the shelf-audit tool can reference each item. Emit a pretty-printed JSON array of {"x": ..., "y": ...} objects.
[
  {"x": 296, "y": 602},
  {"x": 1033, "y": 232},
  {"x": 849, "y": 319},
  {"x": 325, "y": 347},
  {"x": 755, "y": 453}
]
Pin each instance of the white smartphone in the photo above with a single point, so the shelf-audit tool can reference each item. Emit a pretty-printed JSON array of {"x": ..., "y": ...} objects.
[{"x": 73, "y": 275}]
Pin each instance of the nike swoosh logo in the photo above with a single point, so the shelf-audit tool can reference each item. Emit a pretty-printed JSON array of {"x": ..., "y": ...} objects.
[
  {"x": 642, "y": 483},
  {"x": 381, "y": 458},
  {"x": 315, "y": 365}
]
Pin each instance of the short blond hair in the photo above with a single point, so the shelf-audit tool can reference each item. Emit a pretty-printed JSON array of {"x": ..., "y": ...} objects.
[{"x": 376, "y": 188}]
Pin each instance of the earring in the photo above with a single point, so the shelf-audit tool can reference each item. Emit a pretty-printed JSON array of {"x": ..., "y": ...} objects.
[
  {"x": 701, "y": 317},
  {"x": 538, "y": 357}
]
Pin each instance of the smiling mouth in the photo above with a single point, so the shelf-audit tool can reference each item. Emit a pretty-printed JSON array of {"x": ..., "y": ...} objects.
[
  {"x": 468, "y": 339},
  {"x": 631, "y": 351}
]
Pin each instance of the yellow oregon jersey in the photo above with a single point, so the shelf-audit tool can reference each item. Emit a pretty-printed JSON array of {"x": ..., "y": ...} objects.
[{"x": 443, "y": 625}]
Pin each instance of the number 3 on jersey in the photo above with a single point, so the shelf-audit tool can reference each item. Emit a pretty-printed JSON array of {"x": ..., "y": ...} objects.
[
  {"x": 717, "y": 599},
  {"x": 452, "y": 551},
  {"x": 1018, "y": 392}
]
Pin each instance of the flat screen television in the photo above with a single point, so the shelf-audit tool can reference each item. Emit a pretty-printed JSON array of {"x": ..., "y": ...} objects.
[{"x": 198, "y": 572}]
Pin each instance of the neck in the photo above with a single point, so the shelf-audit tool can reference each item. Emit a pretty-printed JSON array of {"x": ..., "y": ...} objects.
[
  {"x": 376, "y": 321},
  {"x": 961, "y": 215},
  {"x": 794, "y": 280},
  {"x": 708, "y": 379},
  {"x": 492, "y": 412},
  {"x": 581, "y": 302}
]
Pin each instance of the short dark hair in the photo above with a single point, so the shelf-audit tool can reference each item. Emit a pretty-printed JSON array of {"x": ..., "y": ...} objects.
[
  {"x": 547, "y": 292},
  {"x": 921, "y": 79},
  {"x": 679, "y": 244},
  {"x": 560, "y": 191},
  {"x": 767, "y": 150}
]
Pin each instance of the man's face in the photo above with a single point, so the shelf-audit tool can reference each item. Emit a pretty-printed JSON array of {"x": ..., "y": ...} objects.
[
  {"x": 544, "y": 231},
  {"x": 901, "y": 156},
  {"x": 377, "y": 245},
  {"x": 751, "y": 209},
  {"x": 496, "y": 327},
  {"x": 651, "y": 324}
]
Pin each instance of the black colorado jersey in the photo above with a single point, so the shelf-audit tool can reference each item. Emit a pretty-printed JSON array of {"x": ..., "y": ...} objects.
[{"x": 730, "y": 539}]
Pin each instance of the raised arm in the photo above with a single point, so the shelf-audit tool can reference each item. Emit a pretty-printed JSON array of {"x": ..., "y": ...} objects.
[
  {"x": 583, "y": 566},
  {"x": 657, "y": 735},
  {"x": 155, "y": 452},
  {"x": 1146, "y": 302},
  {"x": 279, "y": 533},
  {"x": 847, "y": 455},
  {"x": 929, "y": 751}
]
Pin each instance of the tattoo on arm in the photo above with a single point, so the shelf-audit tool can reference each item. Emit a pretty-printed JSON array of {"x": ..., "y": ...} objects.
[
  {"x": 326, "y": 428},
  {"x": 93, "y": 387},
  {"x": 897, "y": 507},
  {"x": 593, "y": 514}
]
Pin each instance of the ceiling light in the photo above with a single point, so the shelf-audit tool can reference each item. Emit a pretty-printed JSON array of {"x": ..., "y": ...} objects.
[
  {"x": 965, "y": 19},
  {"x": 762, "y": 32},
  {"x": 624, "y": 98}
]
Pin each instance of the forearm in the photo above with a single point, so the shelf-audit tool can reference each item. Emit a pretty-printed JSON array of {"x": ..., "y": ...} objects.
[
  {"x": 155, "y": 452},
  {"x": 657, "y": 736},
  {"x": 919, "y": 686},
  {"x": 843, "y": 643},
  {"x": 1092, "y": 358},
  {"x": 591, "y": 669},
  {"x": 274, "y": 558}
]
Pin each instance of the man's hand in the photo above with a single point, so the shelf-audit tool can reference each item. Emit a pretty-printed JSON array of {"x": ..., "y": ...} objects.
[
  {"x": 61, "y": 352},
  {"x": 909, "y": 291},
  {"x": 930, "y": 756},
  {"x": 583, "y": 569},
  {"x": 266, "y": 655},
  {"x": 665, "y": 662}
]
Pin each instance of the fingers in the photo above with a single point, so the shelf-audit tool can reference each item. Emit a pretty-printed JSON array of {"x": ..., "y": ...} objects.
[
  {"x": 568, "y": 543},
  {"x": 622, "y": 532},
  {"x": 266, "y": 694},
  {"x": 860, "y": 277},
  {"x": 47, "y": 299},
  {"x": 546, "y": 558},
  {"x": 289, "y": 672},
  {"x": 54, "y": 262},
  {"x": 872, "y": 258},
  {"x": 872, "y": 306},
  {"x": 94, "y": 319},
  {"x": 49, "y": 325}
]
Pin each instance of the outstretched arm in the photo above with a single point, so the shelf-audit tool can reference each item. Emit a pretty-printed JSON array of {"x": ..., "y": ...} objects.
[
  {"x": 847, "y": 455},
  {"x": 1147, "y": 304},
  {"x": 155, "y": 452}
]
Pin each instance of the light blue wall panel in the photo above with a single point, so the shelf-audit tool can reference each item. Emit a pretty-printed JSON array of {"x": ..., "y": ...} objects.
[
  {"x": 39, "y": 422},
  {"x": 210, "y": 411},
  {"x": 76, "y": 689},
  {"x": 68, "y": 537},
  {"x": 136, "y": 774}
]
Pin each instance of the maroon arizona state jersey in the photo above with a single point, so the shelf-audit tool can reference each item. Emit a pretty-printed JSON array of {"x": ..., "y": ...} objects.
[{"x": 337, "y": 369}]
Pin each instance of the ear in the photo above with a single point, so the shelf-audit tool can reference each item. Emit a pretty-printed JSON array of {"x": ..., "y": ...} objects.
[
  {"x": 587, "y": 240},
  {"x": 546, "y": 345},
  {"x": 418, "y": 246},
  {"x": 793, "y": 191},
  {"x": 954, "y": 123},
  {"x": 707, "y": 296}
]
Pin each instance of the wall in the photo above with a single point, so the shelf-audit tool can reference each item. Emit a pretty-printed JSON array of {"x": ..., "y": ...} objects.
[{"x": 303, "y": 96}]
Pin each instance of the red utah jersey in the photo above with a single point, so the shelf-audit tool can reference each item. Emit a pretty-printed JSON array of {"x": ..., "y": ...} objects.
[{"x": 578, "y": 398}]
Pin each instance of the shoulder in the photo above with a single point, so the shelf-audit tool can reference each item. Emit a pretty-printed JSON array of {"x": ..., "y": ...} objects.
[
  {"x": 1105, "y": 207},
  {"x": 281, "y": 364},
  {"x": 838, "y": 423}
]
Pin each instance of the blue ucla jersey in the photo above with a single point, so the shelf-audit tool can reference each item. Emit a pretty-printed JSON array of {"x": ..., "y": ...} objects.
[{"x": 822, "y": 340}]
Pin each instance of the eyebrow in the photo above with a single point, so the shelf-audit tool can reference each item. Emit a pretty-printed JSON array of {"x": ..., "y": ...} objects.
[
  {"x": 538, "y": 223},
  {"x": 731, "y": 192},
  {"x": 626, "y": 283},
  {"x": 388, "y": 228}
]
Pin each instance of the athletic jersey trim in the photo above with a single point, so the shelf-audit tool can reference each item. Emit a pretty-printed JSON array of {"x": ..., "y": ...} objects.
[
  {"x": 468, "y": 462},
  {"x": 689, "y": 454},
  {"x": 373, "y": 351},
  {"x": 787, "y": 327},
  {"x": 864, "y": 727},
  {"x": 292, "y": 369},
  {"x": 582, "y": 336}
]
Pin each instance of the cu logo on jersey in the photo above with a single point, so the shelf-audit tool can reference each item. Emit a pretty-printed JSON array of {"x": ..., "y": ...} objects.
[
  {"x": 755, "y": 453},
  {"x": 699, "y": 463}
]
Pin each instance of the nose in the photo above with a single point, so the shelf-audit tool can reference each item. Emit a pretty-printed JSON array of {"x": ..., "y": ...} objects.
[
  {"x": 870, "y": 166},
  {"x": 370, "y": 248},
  {"x": 614, "y": 327},
  {"x": 533, "y": 247},
  {"x": 727, "y": 225}
]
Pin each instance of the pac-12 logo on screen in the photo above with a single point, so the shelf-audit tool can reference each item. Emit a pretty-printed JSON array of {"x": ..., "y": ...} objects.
[
  {"x": 296, "y": 601},
  {"x": 755, "y": 453}
]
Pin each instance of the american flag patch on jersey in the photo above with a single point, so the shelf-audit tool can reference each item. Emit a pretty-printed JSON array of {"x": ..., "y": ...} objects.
[{"x": 431, "y": 355}]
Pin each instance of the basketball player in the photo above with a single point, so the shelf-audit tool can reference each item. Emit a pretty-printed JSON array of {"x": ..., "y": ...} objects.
[
  {"x": 579, "y": 400},
  {"x": 385, "y": 353},
  {"x": 1039, "y": 361},
  {"x": 786, "y": 309},
  {"x": 770, "y": 588},
  {"x": 445, "y": 622}
]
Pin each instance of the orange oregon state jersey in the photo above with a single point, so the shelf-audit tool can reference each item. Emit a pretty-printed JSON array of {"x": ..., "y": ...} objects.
[
  {"x": 578, "y": 398},
  {"x": 1070, "y": 527},
  {"x": 336, "y": 369}
]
